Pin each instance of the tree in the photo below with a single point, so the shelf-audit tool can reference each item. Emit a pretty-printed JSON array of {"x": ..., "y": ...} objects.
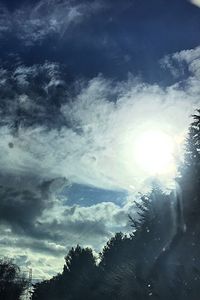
[
  {"x": 79, "y": 276},
  {"x": 47, "y": 289},
  {"x": 189, "y": 179},
  {"x": 153, "y": 230},
  {"x": 12, "y": 283},
  {"x": 190, "y": 170},
  {"x": 115, "y": 252},
  {"x": 77, "y": 281}
]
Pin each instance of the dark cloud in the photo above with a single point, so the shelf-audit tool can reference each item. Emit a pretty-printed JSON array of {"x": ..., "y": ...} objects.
[
  {"x": 21, "y": 205},
  {"x": 20, "y": 208},
  {"x": 34, "y": 245},
  {"x": 33, "y": 95}
]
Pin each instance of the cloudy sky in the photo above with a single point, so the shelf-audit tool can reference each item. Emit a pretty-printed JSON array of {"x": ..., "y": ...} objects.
[{"x": 80, "y": 82}]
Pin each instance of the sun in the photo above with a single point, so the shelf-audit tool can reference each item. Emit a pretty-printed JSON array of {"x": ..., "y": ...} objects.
[{"x": 154, "y": 152}]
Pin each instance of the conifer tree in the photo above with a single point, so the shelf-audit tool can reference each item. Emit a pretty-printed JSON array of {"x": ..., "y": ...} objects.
[{"x": 190, "y": 173}]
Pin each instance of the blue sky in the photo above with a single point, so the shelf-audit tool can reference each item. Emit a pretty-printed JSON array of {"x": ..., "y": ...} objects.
[
  {"x": 125, "y": 37},
  {"x": 80, "y": 81}
]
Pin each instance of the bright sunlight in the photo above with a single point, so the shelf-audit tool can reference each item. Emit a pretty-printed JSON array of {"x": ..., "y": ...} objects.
[{"x": 154, "y": 152}]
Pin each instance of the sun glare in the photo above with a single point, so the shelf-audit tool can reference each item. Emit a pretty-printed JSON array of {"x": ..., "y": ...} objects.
[{"x": 154, "y": 152}]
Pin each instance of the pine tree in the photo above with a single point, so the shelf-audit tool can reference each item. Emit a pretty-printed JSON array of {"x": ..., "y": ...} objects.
[
  {"x": 190, "y": 173},
  {"x": 190, "y": 170},
  {"x": 76, "y": 282}
]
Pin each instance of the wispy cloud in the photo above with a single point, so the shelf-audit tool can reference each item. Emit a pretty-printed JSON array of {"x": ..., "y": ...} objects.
[{"x": 33, "y": 23}]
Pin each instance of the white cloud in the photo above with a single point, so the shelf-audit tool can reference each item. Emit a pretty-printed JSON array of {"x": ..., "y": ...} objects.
[{"x": 98, "y": 149}]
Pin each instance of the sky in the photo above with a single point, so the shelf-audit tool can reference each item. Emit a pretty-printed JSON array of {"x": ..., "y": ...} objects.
[{"x": 80, "y": 82}]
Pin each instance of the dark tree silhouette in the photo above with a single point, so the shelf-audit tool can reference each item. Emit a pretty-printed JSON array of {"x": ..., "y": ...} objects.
[
  {"x": 154, "y": 229},
  {"x": 115, "y": 252},
  {"x": 47, "y": 289},
  {"x": 12, "y": 283},
  {"x": 190, "y": 170},
  {"x": 190, "y": 173},
  {"x": 79, "y": 273},
  {"x": 77, "y": 281}
]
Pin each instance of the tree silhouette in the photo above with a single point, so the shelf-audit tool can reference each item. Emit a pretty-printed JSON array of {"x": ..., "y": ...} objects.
[
  {"x": 79, "y": 273},
  {"x": 12, "y": 283},
  {"x": 77, "y": 281},
  {"x": 190, "y": 173},
  {"x": 191, "y": 168},
  {"x": 115, "y": 252}
]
